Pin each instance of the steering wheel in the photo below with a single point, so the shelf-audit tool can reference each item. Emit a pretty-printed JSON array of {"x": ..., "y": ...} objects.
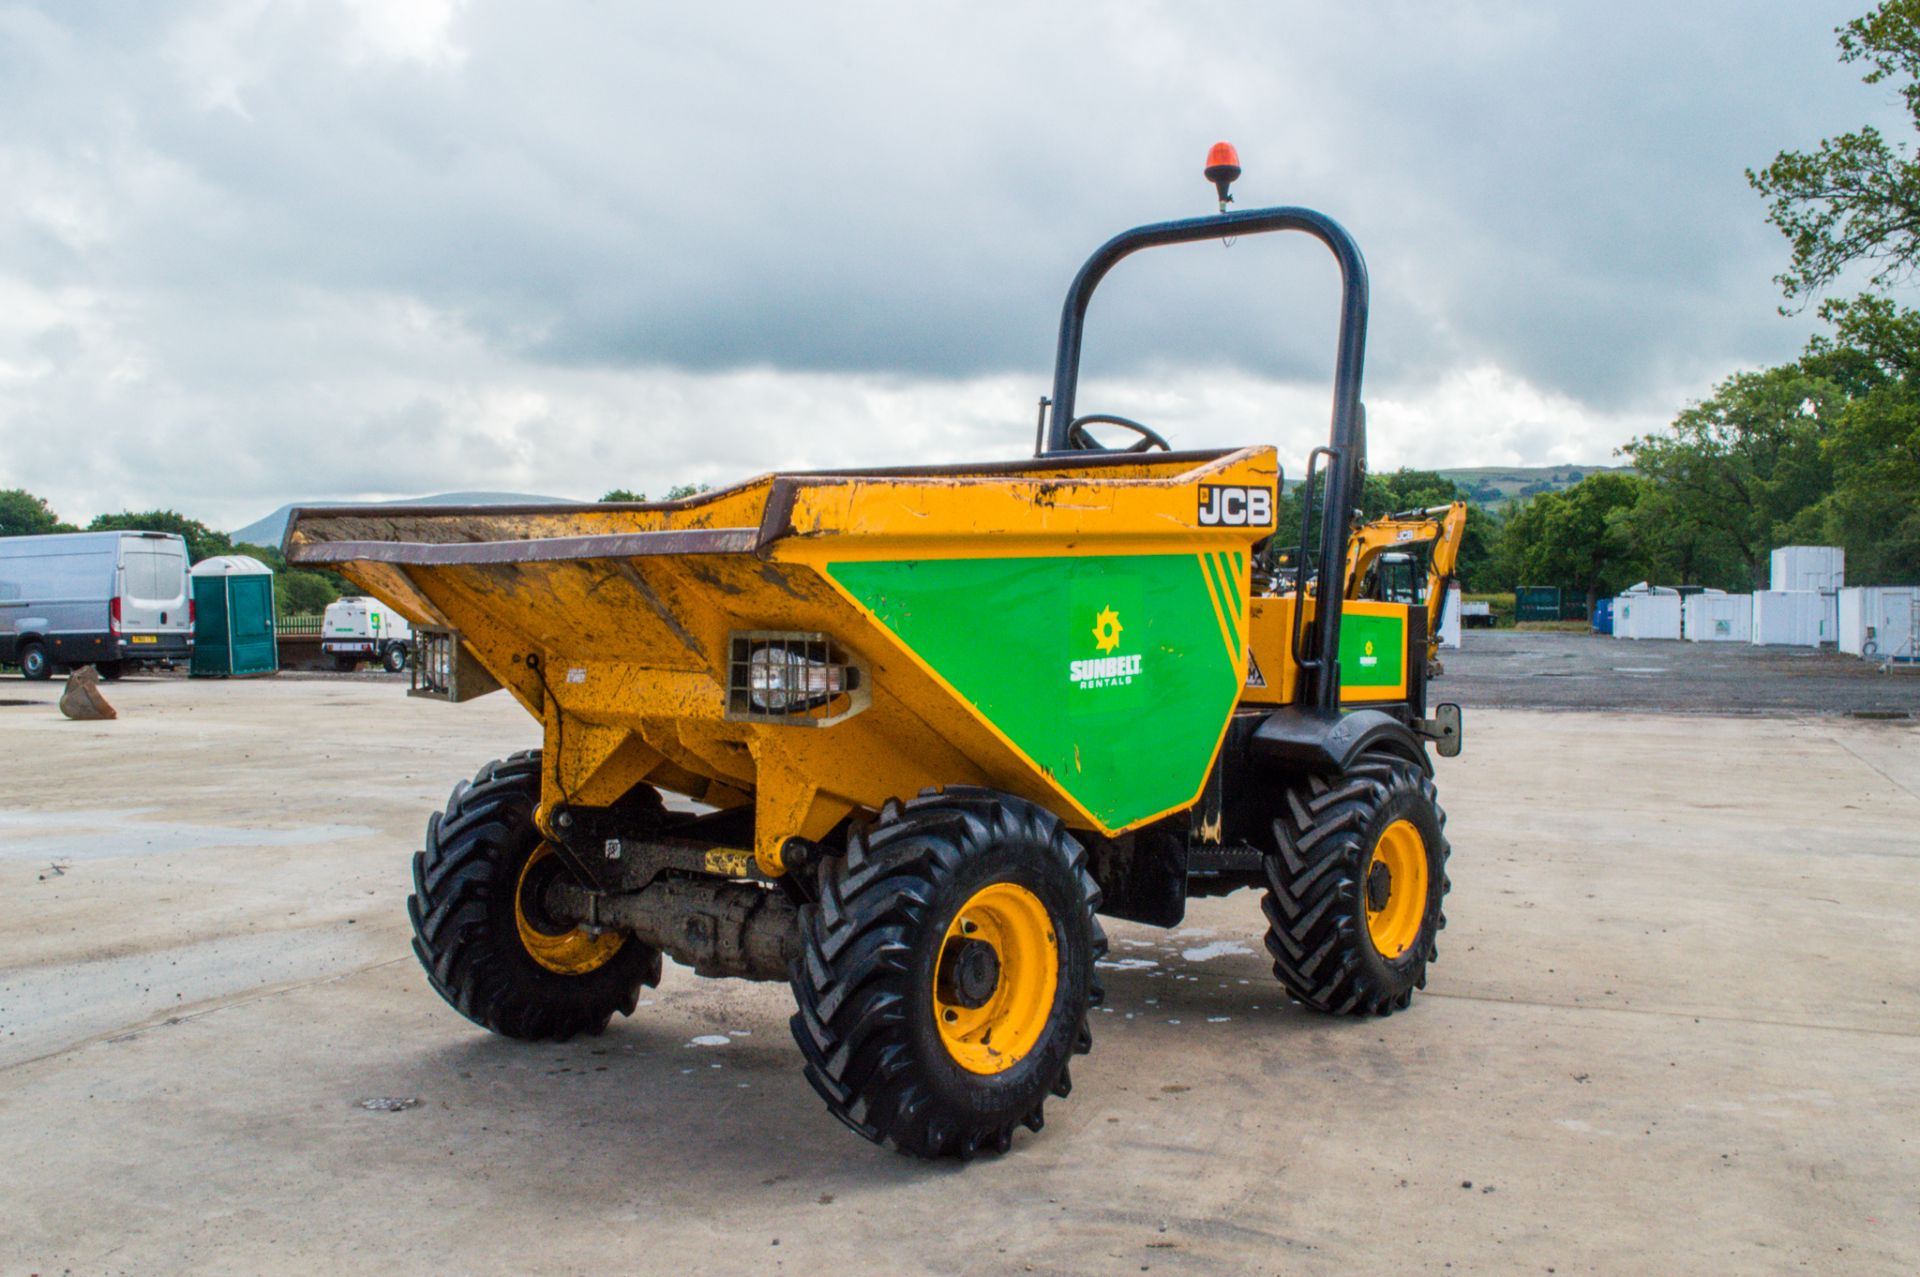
[{"x": 1149, "y": 437}]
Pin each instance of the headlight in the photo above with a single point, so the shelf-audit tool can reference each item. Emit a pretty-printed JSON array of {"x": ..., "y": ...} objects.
[
  {"x": 793, "y": 677},
  {"x": 780, "y": 681}
]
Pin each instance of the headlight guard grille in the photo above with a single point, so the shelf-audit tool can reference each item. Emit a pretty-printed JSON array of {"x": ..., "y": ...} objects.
[{"x": 802, "y": 678}]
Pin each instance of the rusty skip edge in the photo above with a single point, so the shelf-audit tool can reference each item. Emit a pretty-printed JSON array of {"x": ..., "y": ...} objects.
[
  {"x": 776, "y": 520},
  {"x": 536, "y": 550}
]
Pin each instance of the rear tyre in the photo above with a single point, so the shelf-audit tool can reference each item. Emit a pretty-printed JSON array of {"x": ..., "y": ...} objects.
[
  {"x": 946, "y": 971},
  {"x": 110, "y": 671},
  {"x": 395, "y": 660},
  {"x": 34, "y": 664},
  {"x": 1355, "y": 885},
  {"x": 479, "y": 925}
]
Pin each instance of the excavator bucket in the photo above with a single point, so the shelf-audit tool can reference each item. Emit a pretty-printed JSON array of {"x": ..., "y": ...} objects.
[{"x": 82, "y": 699}]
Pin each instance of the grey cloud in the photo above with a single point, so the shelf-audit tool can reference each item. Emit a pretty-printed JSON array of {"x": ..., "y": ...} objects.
[{"x": 899, "y": 189}]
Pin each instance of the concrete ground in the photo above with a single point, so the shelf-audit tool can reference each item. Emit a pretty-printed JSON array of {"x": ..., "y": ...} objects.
[
  {"x": 1675, "y": 1028},
  {"x": 1548, "y": 669}
]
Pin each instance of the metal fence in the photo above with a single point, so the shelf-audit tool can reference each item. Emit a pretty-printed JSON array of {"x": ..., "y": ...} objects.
[
  {"x": 1548, "y": 603},
  {"x": 1536, "y": 603},
  {"x": 305, "y": 624}
]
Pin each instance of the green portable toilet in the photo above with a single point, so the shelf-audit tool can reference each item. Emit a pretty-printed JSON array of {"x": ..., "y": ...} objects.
[{"x": 233, "y": 617}]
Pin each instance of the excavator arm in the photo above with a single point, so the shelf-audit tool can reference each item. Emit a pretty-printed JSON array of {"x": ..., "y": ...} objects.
[{"x": 1438, "y": 526}]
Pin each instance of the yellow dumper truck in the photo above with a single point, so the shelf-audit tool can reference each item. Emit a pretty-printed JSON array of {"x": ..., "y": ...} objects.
[{"x": 934, "y": 722}]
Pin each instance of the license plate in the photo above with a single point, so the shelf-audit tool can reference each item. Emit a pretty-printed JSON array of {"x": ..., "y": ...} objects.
[{"x": 145, "y": 638}]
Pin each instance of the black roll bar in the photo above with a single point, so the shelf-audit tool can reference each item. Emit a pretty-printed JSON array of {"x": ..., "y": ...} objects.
[{"x": 1347, "y": 450}]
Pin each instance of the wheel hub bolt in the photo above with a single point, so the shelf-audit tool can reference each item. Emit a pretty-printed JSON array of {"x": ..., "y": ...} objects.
[
  {"x": 1379, "y": 886},
  {"x": 969, "y": 973}
]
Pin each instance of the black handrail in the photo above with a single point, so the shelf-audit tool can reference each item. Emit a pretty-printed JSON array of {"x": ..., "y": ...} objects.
[
  {"x": 1300, "y": 658},
  {"x": 1348, "y": 441}
]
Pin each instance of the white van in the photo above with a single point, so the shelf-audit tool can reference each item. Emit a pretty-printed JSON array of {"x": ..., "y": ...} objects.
[
  {"x": 113, "y": 600},
  {"x": 357, "y": 628}
]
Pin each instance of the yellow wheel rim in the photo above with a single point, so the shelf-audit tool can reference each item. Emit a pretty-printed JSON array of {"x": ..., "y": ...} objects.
[
  {"x": 1396, "y": 888},
  {"x": 1012, "y": 1005},
  {"x": 574, "y": 952}
]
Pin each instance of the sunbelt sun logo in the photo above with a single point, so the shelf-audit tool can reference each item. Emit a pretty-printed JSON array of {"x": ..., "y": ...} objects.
[
  {"x": 1114, "y": 668},
  {"x": 1367, "y": 657}
]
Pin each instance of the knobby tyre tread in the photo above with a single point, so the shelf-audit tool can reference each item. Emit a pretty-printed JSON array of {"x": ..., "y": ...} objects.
[
  {"x": 857, "y": 982},
  {"x": 462, "y": 910},
  {"x": 1315, "y": 905}
]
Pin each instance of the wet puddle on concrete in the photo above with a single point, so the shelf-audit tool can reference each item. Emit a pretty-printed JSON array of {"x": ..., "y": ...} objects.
[{"x": 104, "y": 835}]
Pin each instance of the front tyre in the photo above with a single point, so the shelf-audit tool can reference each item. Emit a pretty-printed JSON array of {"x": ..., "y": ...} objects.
[
  {"x": 1355, "y": 884},
  {"x": 946, "y": 972},
  {"x": 481, "y": 930},
  {"x": 34, "y": 665},
  {"x": 396, "y": 659}
]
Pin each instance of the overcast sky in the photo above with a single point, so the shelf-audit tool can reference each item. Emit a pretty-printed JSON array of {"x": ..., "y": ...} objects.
[{"x": 255, "y": 252}]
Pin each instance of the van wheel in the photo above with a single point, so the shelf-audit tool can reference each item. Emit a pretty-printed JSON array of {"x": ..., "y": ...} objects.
[
  {"x": 34, "y": 663},
  {"x": 110, "y": 670},
  {"x": 396, "y": 659}
]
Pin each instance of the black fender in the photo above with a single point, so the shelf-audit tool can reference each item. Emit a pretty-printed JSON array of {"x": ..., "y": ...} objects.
[{"x": 1301, "y": 739}]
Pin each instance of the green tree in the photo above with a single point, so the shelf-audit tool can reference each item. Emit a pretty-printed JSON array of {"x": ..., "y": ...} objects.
[
  {"x": 1737, "y": 469},
  {"x": 1396, "y": 493},
  {"x": 1873, "y": 509},
  {"x": 267, "y": 554},
  {"x": 1675, "y": 547},
  {"x": 1856, "y": 198},
  {"x": 202, "y": 542},
  {"x": 1405, "y": 490},
  {"x": 297, "y": 591},
  {"x": 1578, "y": 538},
  {"x": 23, "y": 514},
  {"x": 677, "y": 492}
]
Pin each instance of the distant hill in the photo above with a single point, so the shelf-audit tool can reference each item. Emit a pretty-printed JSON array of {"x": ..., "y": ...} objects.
[
  {"x": 269, "y": 530},
  {"x": 1490, "y": 485}
]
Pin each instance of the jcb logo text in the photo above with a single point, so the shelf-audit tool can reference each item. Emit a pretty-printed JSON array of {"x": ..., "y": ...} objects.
[{"x": 1235, "y": 507}]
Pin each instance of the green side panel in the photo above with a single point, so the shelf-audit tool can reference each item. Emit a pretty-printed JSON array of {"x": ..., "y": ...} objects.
[
  {"x": 1112, "y": 672},
  {"x": 209, "y": 627},
  {"x": 1373, "y": 650}
]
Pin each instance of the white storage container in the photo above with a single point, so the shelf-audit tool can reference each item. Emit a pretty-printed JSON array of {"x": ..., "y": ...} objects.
[
  {"x": 1875, "y": 620},
  {"x": 1716, "y": 617},
  {"x": 1450, "y": 618},
  {"x": 1808, "y": 567},
  {"x": 1793, "y": 618},
  {"x": 1647, "y": 616}
]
